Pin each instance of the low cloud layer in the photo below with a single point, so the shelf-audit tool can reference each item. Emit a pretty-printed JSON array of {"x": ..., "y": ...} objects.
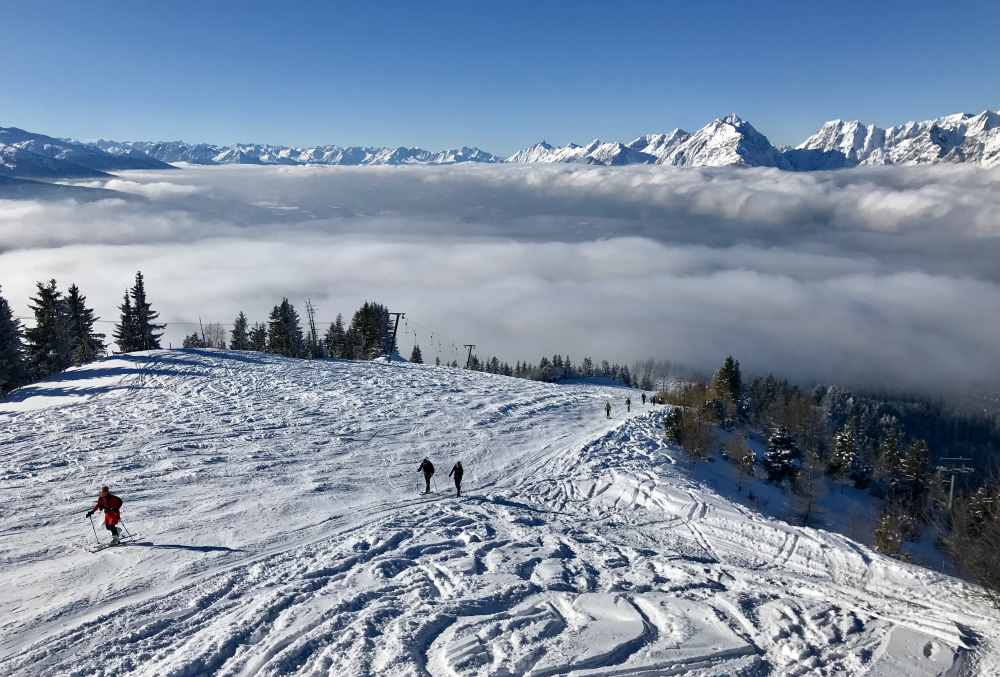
[{"x": 884, "y": 277}]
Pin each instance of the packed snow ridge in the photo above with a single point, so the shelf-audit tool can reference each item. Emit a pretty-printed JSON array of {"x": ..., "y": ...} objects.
[
  {"x": 281, "y": 531},
  {"x": 724, "y": 142}
]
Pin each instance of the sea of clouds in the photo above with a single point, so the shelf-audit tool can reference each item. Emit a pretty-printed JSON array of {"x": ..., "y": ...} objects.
[{"x": 885, "y": 277}]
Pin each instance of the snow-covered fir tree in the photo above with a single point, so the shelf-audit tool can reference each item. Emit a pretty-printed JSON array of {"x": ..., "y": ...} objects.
[
  {"x": 13, "y": 369},
  {"x": 239, "y": 337},
  {"x": 148, "y": 332},
  {"x": 125, "y": 333},
  {"x": 86, "y": 344},
  {"x": 48, "y": 342},
  {"x": 370, "y": 327},
  {"x": 890, "y": 464},
  {"x": 845, "y": 449},
  {"x": 779, "y": 461},
  {"x": 137, "y": 328},
  {"x": 336, "y": 338},
  {"x": 415, "y": 355},
  {"x": 258, "y": 337},
  {"x": 284, "y": 331}
]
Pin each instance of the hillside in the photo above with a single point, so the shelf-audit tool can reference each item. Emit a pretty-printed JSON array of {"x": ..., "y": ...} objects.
[{"x": 282, "y": 532}]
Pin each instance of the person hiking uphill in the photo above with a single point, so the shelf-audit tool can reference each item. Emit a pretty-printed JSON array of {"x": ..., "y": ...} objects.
[
  {"x": 111, "y": 505},
  {"x": 457, "y": 472},
  {"x": 607, "y": 408},
  {"x": 644, "y": 399},
  {"x": 628, "y": 405},
  {"x": 427, "y": 468}
]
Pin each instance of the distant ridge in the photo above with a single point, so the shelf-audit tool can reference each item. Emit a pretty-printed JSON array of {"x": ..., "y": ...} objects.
[{"x": 730, "y": 141}]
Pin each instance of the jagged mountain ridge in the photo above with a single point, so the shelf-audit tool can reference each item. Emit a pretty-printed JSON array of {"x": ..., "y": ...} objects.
[
  {"x": 250, "y": 153},
  {"x": 732, "y": 141},
  {"x": 31, "y": 155},
  {"x": 961, "y": 138}
]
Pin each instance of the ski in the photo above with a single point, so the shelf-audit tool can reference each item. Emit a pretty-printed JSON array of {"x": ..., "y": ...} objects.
[{"x": 122, "y": 541}]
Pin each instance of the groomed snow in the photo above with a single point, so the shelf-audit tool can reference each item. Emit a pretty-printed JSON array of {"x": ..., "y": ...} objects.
[{"x": 282, "y": 532}]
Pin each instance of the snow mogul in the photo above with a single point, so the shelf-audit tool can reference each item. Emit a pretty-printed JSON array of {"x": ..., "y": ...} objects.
[
  {"x": 111, "y": 505},
  {"x": 427, "y": 468},
  {"x": 457, "y": 473}
]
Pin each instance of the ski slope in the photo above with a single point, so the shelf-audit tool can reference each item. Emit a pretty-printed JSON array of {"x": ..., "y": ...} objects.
[{"x": 282, "y": 532}]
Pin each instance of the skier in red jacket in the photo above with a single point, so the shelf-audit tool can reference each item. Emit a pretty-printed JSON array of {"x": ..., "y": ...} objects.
[{"x": 111, "y": 505}]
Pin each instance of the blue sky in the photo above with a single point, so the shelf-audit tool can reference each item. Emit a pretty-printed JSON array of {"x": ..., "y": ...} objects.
[{"x": 499, "y": 76}]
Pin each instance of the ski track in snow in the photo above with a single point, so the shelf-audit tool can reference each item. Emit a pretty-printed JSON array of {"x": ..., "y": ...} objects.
[{"x": 283, "y": 533}]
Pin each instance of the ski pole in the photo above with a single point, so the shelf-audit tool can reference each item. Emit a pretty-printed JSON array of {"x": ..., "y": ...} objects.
[
  {"x": 128, "y": 534},
  {"x": 94, "y": 528}
]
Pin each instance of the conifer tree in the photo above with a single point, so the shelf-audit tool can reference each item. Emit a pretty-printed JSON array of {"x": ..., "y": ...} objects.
[
  {"x": 284, "y": 332},
  {"x": 845, "y": 449},
  {"x": 258, "y": 337},
  {"x": 147, "y": 332},
  {"x": 915, "y": 471},
  {"x": 86, "y": 345},
  {"x": 890, "y": 464},
  {"x": 13, "y": 370},
  {"x": 336, "y": 339},
  {"x": 890, "y": 532},
  {"x": 125, "y": 333},
  {"x": 239, "y": 338},
  {"x": 415, "y": 356},
  {"x": 780, "y": 457},
  {"x": 48, "y": 342},
  {"x": 370, "y": 328}
]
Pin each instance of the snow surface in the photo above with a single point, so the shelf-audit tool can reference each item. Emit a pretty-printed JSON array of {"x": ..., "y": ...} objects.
[{"x": 282, "y": 532}]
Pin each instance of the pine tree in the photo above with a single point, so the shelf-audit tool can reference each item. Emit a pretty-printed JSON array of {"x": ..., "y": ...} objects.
[
  {"x": 415, "y": 356},
  {"x": 258, "y": 337},
  {"x": 239, "y": 339},
  {"x": 728, "y": 382},
  {"x": 779, "y": 460},
  {"x": 336, "y": 339},
  {"x": 915, "y": 472},
  {"x": 890, "y": 532},
  {"x": 48, "y": 342},
  {"x": 845, "y": 449},
  {"x": 284, "y": 333},
  {"x": 371, "y": 335},
  {"x": 125, "y": 333},
  {"x": 86, "y": 345},
  {"x": 890, "y": 464},
  {"x": 13, "y": 370},
  {"x": 147, "y": 332},
  {"x": 194, "y": 341}
]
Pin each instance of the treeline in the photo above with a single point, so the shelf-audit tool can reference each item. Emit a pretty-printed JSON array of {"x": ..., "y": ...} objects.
[
  {"x": 890, "y": 446},
  {"x": 64, "y": 333},
  {"x": 550, "y": 370},
  {"x": 368, "y": 336}
]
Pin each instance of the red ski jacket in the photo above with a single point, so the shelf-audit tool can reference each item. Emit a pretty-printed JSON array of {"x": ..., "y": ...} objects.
[{"x": 111, "y": 505}]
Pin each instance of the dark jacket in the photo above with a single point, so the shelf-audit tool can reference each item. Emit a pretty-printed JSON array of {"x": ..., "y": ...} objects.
[
  {"x": 458, "y": 471},
  {"x": 426, "y": 467}
]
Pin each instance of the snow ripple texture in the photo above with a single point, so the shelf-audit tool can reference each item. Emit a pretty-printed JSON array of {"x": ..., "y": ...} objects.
[{"x": 283, "y": 534}]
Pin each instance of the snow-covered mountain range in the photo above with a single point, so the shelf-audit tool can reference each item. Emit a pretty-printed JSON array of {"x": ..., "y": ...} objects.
[
  {"x": 732, "y": 141},
  {"x": 729, "y": 141},
  {"x": 252, "y": 153}
]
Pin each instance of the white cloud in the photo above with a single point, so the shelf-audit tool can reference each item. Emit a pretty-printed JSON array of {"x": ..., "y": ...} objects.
[{"x": 879, "y": 276}]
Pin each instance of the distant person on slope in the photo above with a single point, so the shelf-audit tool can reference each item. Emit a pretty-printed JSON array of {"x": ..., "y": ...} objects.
[
  {"x": 607, "y": 408},
  {"x": 628, "y": 404},
  {"x": 427, "y": 468},
  {"x": 644, "y": 399},
  {"x": 111, "y": 505},
  {"x": 457, "y": 472}
]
